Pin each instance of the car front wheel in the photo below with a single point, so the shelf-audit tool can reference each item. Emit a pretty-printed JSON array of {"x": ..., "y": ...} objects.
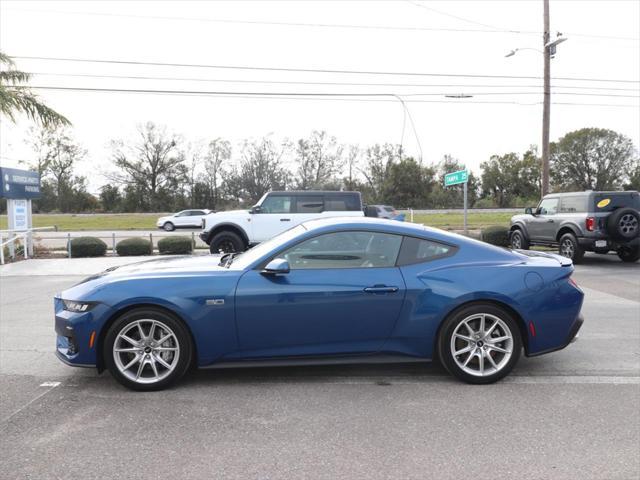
[
  {"x": 147, "y": 349},
  {"x": 480, "y": 344},
  {"x": 226, "y": 242},
  {"x": 518, "y": 241},
  {"x": 169, "y": 227}
]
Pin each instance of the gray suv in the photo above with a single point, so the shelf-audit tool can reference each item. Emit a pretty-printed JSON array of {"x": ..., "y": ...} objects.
[{"x": 582, "y": 221}]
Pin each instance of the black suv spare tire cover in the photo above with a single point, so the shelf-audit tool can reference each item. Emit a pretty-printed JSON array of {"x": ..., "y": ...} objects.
[{"x": 624, "y": 223}]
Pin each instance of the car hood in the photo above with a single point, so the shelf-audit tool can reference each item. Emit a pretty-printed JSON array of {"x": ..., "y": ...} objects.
[
  {"x": 174, "y": 267},
  {"x": 520, "y": 216},
  {"x": 230, "y": 213}
]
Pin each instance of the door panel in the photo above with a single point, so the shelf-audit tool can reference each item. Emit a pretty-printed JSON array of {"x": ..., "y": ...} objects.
[
  {"x": 317, "y": 311},
  {"x": 543, "y": 227}
]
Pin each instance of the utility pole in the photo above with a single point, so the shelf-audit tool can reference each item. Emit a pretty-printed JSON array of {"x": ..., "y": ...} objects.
[{"x": 546, "y": 104}]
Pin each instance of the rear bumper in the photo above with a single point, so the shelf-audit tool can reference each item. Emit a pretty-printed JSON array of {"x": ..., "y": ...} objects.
[
  {"x": 590, "y": 243},
  {"x": 572, "y": 336}
]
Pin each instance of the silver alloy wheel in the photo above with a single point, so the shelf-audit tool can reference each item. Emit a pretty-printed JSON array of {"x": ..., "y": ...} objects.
[
  {"x": 516, "y": 241},
  {"x": 146, "y": 351},
  {"x": 481, "y": 344},
  {"x": 566, "y": 248},
  {"x": 628, "y": 224}
]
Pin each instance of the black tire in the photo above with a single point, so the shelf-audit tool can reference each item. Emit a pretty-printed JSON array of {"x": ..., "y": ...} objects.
[
  {"x": 519, "y": 240},
  {"x": 570, "y": 248},
  {"x": 624, "y": 224},
  {"x": 161, "y": 318},
  {"x": 169, "y": 227},
  {"x": 629, "y": 254},
  {"x": 226, "y": 242},
  {"x": 505, "y": 364}
]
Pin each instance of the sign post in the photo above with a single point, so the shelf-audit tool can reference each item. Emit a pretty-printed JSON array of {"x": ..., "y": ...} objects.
[
  {"x": 19, "y": 187},
  {"x": 456, "y": 178}
]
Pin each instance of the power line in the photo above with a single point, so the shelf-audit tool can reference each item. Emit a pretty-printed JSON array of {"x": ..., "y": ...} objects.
[
  {"x": 493, "y": 30},
  {"x": 365, "y": 97},
  {"x": 297, "y": 82},
  {"x": 308, "y": 70}
]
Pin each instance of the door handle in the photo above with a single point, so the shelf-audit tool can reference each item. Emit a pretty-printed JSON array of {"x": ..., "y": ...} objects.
[
  {"x": 285, "y": 219},
  {"x": 549, "y": 221},
  {"x": 381, "y": 289}
]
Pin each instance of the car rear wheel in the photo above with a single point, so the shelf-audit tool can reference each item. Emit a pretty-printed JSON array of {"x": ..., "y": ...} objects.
[
  {"x": 570, "y": 248},
  {"x": 519, "y": 241},
  {"x": 629, "y": 254},
  {"x": 169, "y": 227},
  {"x": 226, "y": 242},
  {"x": 147, "y": 349},
  {"x": 480, "y": 344}
]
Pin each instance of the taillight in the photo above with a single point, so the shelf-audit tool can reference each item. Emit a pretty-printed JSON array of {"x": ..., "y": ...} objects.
[
  {"x": 591, "y": 224},
  {"x": 573, "y": 282}
]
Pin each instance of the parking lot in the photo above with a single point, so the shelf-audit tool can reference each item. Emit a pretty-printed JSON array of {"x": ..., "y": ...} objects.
[{"x": 570, "y": 414}]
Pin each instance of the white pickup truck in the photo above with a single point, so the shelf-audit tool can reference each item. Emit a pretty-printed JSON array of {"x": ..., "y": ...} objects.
[{"x": 275, "y": 212}]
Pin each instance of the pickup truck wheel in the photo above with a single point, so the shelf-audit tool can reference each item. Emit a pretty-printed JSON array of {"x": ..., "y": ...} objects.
[
  {"x": 169, "y": 227},
  {"x": 519, "y": 241},
  {"x": 629, "y": 254},
  {"x": 570, "y": 248},
  {"x": 226, "y": 242}
]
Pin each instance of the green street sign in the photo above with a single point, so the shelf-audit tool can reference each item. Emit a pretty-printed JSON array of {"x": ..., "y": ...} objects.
[{"x": 454, "y": 178}]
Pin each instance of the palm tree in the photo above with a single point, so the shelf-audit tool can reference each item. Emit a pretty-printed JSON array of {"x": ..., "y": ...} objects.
[{"x": 17, "y": 98}]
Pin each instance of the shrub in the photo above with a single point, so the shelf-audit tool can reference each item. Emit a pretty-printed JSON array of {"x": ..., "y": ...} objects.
[
  {"x": 496, "y": 235},
  {"x": 134, "y": 246},
  {"x": 175, "y": 245},
  {"x": 87, "y": 247}
]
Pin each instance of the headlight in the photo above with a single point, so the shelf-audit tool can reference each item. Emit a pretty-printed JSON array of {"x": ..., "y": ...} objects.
[{"x": 77, "y": 307}]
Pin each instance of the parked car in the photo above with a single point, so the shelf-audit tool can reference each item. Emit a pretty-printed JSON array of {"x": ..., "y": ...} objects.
[
  {"x": 582, "y": 222},
  {"x": 352, "y": 290},
  {"x": 383, "y": 211},
  {"x": 275, "y": 212},
  {"x": 183, "y": 219}
]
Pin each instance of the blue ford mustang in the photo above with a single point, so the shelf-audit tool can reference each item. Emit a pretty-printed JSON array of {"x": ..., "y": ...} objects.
[{"x": 333, "y": 290}]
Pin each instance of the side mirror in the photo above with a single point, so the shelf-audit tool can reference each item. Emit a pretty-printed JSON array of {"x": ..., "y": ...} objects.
[
  {"x": 277, "y": 266},
  {"x": 528, "y": 211},
  {"x": 255, "y": 209}
]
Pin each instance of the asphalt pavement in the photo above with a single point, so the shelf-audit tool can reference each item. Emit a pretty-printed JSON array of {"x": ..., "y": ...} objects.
[{"x": 573, "y": 414}]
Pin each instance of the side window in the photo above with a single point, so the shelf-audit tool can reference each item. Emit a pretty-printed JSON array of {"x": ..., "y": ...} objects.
[
  {"x": 576, "y": 204},
  {"x": 309, "y": 204},
  {"x": 345, "y": 250},
  {"x": 184, "y": 213},
  {"x": 342, "y": 203},
  {"x": 548, "y": 206},
  {"x": 416, "y": 250},
  {"x": 276, "y": 204}
]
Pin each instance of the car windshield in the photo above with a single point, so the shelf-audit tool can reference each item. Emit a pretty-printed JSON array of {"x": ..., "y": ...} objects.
[{"x": 245, "y": 259}]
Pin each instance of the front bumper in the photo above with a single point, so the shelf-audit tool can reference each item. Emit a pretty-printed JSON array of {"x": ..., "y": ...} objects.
[{"x": 204, "y": 236}]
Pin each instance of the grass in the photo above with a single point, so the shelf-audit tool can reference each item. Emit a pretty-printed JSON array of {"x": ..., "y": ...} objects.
[{"x": 147, "y": 221}]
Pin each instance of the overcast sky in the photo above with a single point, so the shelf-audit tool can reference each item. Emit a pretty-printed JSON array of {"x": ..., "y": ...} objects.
[{"x": 461, "y": 38}]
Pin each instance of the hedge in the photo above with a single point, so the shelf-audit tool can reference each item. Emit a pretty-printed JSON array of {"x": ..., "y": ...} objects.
[
  {"x": 134, "y": 246},
  {"x": 87, "y": 247},
  {"x": 175, "y": 245},
  {"x": 496, "y": 236}
]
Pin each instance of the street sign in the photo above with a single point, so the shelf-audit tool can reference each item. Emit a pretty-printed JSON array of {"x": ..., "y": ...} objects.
[
  {"x": 16, "y": 183},
  {"x": 454, "y": 178}
]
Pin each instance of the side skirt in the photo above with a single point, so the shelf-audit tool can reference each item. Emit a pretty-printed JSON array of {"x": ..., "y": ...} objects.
[{"x": 305, "y": 361}]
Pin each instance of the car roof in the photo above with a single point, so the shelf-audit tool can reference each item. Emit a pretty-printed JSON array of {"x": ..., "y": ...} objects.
[
  {"x": 590, "y": 192},
  {"x": 313, "y": 192}
]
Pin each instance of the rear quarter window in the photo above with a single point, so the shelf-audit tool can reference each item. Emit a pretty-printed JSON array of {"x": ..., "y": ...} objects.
[
  {"x": 610, "y": 202},
  {"x": 577, "y": 204},
  {"x": 342, "y": 203},
  {"x": 419, "y": 250}
]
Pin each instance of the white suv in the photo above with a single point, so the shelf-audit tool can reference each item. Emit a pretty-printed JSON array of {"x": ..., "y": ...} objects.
[
  {"x": 276, "y": 212},
  {"x": 183, "y": 219}
]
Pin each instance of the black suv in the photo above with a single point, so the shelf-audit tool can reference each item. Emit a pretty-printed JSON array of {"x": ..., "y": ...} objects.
[{"x": 582, "y": 221}]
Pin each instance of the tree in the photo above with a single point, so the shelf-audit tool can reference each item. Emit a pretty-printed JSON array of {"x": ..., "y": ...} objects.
[
  {"x": 378, "y": 160},
  {"x": 110, "y": 198},
  {"x": 318, "y": 161},
  {"x": 634, "y": 178},
  {"x": 260, "y": 170},
  {"x": 17, "y": 98},
  {"x": 509, "y": 179},
  {"x": 591, "y": 159},
  {"x": 150, "y": 166},
  {"x": 218, "y": 154},
  {"x": 408, "y": 184}
]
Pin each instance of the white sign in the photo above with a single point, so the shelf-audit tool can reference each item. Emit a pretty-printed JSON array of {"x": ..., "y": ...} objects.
[{"x": 20, "y": 215}]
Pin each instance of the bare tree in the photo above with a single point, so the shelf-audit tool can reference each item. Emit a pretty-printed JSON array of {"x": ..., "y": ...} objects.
[
  {"x": 218, "y": 154},
  {"x": 379, "y": 159},
  {"x": 318, "y": 160},
  {"x": 150, "y": 164},
  {"x": 261, "y": 168}
]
